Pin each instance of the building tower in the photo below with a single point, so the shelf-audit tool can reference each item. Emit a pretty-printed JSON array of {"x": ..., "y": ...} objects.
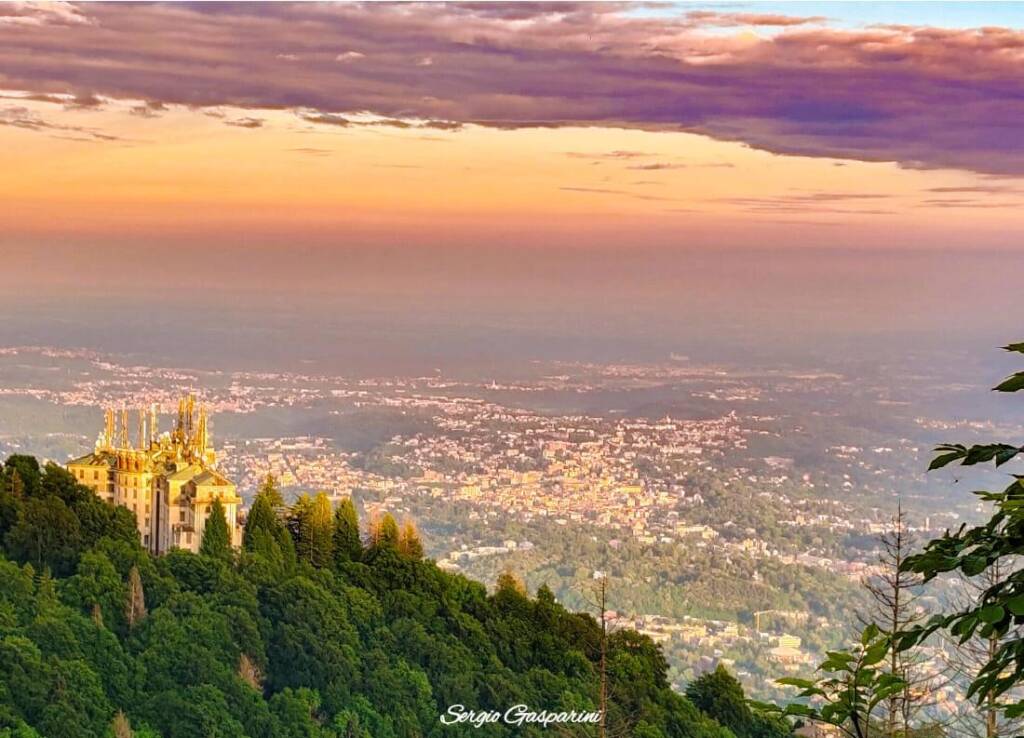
[{"x": 169, "y": 483}]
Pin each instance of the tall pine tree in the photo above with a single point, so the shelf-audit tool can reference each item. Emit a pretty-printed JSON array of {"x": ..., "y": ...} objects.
[
  {"x": 409, "y": 543},
  {"x": 347, "y": 546},
  {"x": 270, "y": 490},
  {"x": 261, "y": 520},
  {"x": 299, "y": 519},
  {"x": 216, "y": 536},
  {"x": 321, "y": 530},
  {"x": 384, "y": 532},
  {"x": 311, "y": 522},
  {"x": 266, "y": 536}
]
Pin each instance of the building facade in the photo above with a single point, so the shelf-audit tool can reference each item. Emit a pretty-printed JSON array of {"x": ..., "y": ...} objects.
[{"x": 169, "y": 480}]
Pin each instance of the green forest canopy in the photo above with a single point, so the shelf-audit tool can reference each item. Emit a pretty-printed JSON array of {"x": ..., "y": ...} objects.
[{"x": 305, "y": 632}]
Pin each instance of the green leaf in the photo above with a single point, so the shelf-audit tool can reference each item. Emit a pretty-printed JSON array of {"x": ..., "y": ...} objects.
[
  {"x": 987, "y": 452},
  {"x": 1013, "y": 383},
  {"x": 1005, "y": 455},
  {"x": 794, "y": 682},
  {"x": 944, "y": 460},
  {"x": 947, "y": 455},
  {"x": 991, "y": 613},
  {"x": 1016, "y": 604},
  {"x": 796, "y": 708},
  {"x": 972, "y": 566},
  {"x": 1015, "y": 711},
  {"x": 870, "y": 633},
  {"x": 1018, "y": 347},
  {"x": 875, "y": 654}
]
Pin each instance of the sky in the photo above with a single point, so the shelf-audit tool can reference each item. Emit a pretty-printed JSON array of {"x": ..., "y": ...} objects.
[{"x": 616, "y": 153}]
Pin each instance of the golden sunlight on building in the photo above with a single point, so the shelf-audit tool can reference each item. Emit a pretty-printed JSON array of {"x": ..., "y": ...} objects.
[{"x": 168, "y": 480}]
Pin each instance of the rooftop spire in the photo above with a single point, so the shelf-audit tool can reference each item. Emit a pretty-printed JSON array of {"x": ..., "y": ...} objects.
[{"x": 123, "y": 441}]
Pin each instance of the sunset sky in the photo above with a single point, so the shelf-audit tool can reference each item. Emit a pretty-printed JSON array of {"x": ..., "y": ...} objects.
[{"x": 307, "y": 143}]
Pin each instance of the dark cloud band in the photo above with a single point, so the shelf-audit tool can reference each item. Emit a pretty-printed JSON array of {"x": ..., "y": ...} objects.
[{"x": 924, "y": 97}]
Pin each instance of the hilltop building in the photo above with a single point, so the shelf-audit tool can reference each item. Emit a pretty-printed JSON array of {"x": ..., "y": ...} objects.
[{"x": 168, "y": 480}]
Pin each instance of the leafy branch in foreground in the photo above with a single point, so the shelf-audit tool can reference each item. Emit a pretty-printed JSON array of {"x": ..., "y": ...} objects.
[
  {"x": 948, "y": 453},
  {"x": 998, "y": 611},
  {"x": 856, "y": 685}
]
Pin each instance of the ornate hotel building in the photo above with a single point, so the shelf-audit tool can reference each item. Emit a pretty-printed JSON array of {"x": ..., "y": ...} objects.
[{"x": 168, "y": 480}]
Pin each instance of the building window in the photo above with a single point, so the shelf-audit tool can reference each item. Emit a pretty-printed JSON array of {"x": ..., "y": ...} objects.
[
  {"x": 95, "y": 475},
  {"x": 181, "y": 516}
]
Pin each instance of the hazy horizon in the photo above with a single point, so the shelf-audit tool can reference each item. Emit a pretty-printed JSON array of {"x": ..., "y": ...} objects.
[{"x": 802, "y": 306}]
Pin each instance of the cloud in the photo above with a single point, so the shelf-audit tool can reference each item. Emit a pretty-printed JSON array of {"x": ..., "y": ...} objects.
[
  {"x": 69, "y": 102},
  {"x": 618, "y": 193},
  {"x": 594, "y": 190},
  {"x": 597, "y": 158},
  {"x": 149, "y": 109},
  {"x": 329, "y": 119},
  {"x": 975, "y": 189},
  {"x": 656, "y": 166},
  {"x": 25, "y": 119},
  {"x": 333, "y": 119},
  {"x": 245, "y": 122},
  {"x": 812, "y": 203},
  {"x": 618, "y": 154},
  {"x": 40, "y": 14},
  {"x": 966, "y": 203},
  {"x": 349, "y": 56},
  {"x": 711, "y": 18},
  {"x": 920, "y": 96}
]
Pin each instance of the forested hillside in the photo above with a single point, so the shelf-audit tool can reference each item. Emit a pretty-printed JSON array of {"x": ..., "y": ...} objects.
[{"x": 310, "y": 630}]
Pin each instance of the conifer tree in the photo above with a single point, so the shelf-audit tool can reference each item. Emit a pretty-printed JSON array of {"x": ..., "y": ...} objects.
[
  {"x": 266, "y": 535},
  {"x": 271, "y": 491},
  {"x": 299, "y": 519},
  {"x": 384, "y": 532},
  {"x": 216, "y": 536},
  {"x": 409, "y": 543},
  {"x": 509, "y": 581},
  {"x": 964, "y": 659},
  {"x": 321, "y": 531},
  {"x": 893, "y": 593},
  {"x": 46, "y": 592},
  {"x": 17, "y": 486},
  {"x": 135, "y": 603},
  {"x": 120, "y": 727},
  {"x": 261, "y": 518},
  {"x": 347, "y": 546}
]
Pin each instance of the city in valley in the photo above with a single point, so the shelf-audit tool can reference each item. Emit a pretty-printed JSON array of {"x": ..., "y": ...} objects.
[{"x": 734, "y": 514}]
